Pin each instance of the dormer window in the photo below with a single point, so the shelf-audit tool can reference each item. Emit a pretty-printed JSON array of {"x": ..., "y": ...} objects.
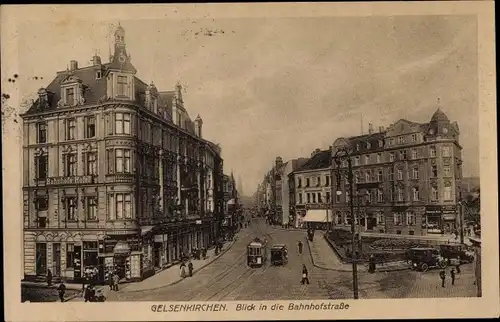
[
  {"x": 70, "y": 96},
  {"x": 98, "y": 75},
  {"x": 121, "y": 88}
]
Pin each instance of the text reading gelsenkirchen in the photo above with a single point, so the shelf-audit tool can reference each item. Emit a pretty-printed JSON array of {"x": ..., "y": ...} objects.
[{"x": 248, "y": 307}]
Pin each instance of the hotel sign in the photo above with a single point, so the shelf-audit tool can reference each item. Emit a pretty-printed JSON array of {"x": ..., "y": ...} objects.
[{"x": 52, "y": 181}]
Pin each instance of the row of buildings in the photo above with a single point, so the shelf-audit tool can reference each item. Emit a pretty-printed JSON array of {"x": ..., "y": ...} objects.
[
  {"x": 116, "y": 174},
  {"x": 407, "y": 180}
]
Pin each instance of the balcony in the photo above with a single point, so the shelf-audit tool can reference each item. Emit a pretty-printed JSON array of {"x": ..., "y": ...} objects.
[
  {"x": 72, "y": 180},
  {"x": 120, "y": 178}
]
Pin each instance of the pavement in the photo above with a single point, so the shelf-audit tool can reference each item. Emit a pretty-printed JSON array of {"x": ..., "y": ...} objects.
[
  {"x": 448, "y": 239},
  {"x": 324, "y": 257}
]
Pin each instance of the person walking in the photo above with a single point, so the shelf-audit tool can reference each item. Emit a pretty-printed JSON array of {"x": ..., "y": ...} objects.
[
  {"x": 109, "y": 279},
  {"x": 116, "y": 280},
  {"x": 49, "y": 277},
  {"x": 452, "y": 274},
  {"x": 442, "y": 276},
  {"x": 87, "y": 296},
  {"x": 190, "y": 268},
  {"x": 458, "y": 266},
  {"x": 61, "y": 290},
  {"x": 305, "y": 275},
  {"x": 300, "y": 246},
  {"x": 183, "y": 270}
]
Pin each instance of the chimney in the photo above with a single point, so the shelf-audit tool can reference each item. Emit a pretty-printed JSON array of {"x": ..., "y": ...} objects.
[
  {"x": 381, "y": 129},
  {"x": 96, "y": 60},
  {"x": 370, "y": 128},
  {"x": 73, "y": 65}
]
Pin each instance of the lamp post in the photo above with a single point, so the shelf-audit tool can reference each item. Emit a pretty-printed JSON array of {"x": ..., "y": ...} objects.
[{"x": 344, "y": 154}]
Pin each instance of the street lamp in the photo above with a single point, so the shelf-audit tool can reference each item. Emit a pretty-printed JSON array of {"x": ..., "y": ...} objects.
[{"x": 340, "y": 155}]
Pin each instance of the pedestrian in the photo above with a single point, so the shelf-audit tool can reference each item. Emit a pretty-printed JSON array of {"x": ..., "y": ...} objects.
[
  {"x": 300, "y": 247},
  {"x": 371, "y": 265},
  {"x": 49, "y": 277},
  {"x": 458, "y": 266},
  {"x": 87, "y": 295},
  {"x": 452, "y": 274},
  {"x": 183, "y": 270},
  {"x": 116, "y": 280},
  {"x": 442, "y": 276},
  {"x": 204, "y": 253},
  {"x": 190, "y": 268},
  {"x": 61, "y": 290},
  {"x": 305, "y": 275},
  {"x": 109, "y": 279}
]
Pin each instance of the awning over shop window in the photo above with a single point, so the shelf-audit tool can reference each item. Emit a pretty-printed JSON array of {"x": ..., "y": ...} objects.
[
  {"x": 146, "y": 229},
  {"x": 318, "y": 215},
  {"x": 121, "y": 247}
]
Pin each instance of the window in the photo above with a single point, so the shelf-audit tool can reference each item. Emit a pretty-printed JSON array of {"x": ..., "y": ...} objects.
[
  {"x": 416, "y": 194},
  {"x": 447, "y": 191},
  {"x": 391, "y": 174},
  {"x": 356, "y": 177},
  {"x": 368, "y": 145},
  {"x": 70, "y": 169},
  {"x": 98, "y": 75},
  {"x": 380, "y": 195},
  {"x": 434, "y": 193},
  {"x": 415, "y": 173},
  {"x": 338, "y": 218},
  {"x": 400, "y": 174},
  {"x": 380, "y": 176},
  {"x": 121, "y": 82},
  {"x": 347, "y": 197},
  {"x": 42, "y": 203},
  {"x": 379, "y": 157},
  {"x": 308, "y": 198},
  {"x": 446, "y": 151},
  {"x": 318, "y": 181},
  {"x": 307, "y": 182},
  {"x": 367, "y": 159},
  {"x": 90, "y": 127},
  {"x": 70, "y": 255},
  {"x": 70, "y": 96},
  {"x": 433, "y": 151},
  {"x": 313, "y": 198},
  {"x": 446, "y": 171},
  {"x": 357, "y": 147},
  {"x": 391, "y": 141},
  {"x": 70, "y": 129},
  {"x": 391, "y": 157},
  {"x": 299, "y": 182},
  {"x": 91, "y": 163},
  {"x": 356, "y": 160},
  {"x": 398, "y": 220},
  {"x": 41, "y": 133},
  {"x": 122, "y": 123},
  {"x": 401, "y": 139},
  {"x": 367, "y": 176},
  {"x": 123, "y": 208},
  {"x": 122, "y": 159},
  {"x": 400, "y": 193},
  {"x": 380, "y": 218},
  {"x": 414, "y": 137},
  {"x": 434, "y": 171},
  {"x": 320, "y": 199},
  {"x": 392, "y": 193},
  {"x": 71, "y": 209},
  {"x": 300, "y": 198},
  {"x": 328, "y": 197},
  {"x": 327, "y": 183},
  {"x": 337, "y": 198},
  {"x": 402, "y": 155},
  {"x": 414, "y": 154},
  {"x": 91, "y": 208},
  {"x": 41, "y": 166},
  {"x": 410, "y": 218},
  {"x": 380, "y": 143}
]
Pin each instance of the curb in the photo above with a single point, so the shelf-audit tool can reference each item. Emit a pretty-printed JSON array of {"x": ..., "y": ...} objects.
[
  {"x": 291, "y": 229},
  {"x": 322, "y": 267},
  {"x": 194, "y": 271}
]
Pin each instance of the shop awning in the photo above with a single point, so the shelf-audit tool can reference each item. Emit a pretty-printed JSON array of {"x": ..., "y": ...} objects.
[
  {"x": 318, "y": 215},
  {"x": 146, "y": 229},
  {"x": 121, "y": 247}
]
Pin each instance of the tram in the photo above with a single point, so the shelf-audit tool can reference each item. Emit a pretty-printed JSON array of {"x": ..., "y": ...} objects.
[{"x": 257, "y": 252}]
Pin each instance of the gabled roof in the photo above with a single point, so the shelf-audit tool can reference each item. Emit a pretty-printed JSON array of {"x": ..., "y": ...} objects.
[{"x": 320, "y": 160}]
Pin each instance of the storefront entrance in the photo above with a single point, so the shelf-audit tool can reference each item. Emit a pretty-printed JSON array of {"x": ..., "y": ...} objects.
[
  {"x": 371, "y": 222},
  {"x": 56, "y": 259},
  {"x": 41, "y": 258},
  {"x": 157, "y": 254},
  {"x": 119, "y": 263}
]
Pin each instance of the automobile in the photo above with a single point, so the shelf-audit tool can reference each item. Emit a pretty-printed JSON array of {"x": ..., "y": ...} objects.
[
  {"x": 456, "y": 252},
  {"x": 279, "y": 255},
  {"x": 423, "y": 258}
]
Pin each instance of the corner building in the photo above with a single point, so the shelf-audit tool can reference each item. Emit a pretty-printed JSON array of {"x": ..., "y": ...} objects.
[
  {"x": 406, "y": 178},
  {"x": 115, "y": 173}
]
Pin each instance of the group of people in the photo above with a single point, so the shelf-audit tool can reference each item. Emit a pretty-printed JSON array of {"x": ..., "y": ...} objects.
[
  {"x": 198, "y": 253},
  {"x": 113, "y": 279},
  {"x": 189, "y": 271},
  {"x": 442, "y": 275}
]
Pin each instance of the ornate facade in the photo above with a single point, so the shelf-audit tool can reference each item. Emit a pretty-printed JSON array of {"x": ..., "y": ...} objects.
[
  {"x": 115, "y": 174},
  {"x": 407, "y": 178}
]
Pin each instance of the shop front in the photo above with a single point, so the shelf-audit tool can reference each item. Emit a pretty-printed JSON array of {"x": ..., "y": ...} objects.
[
  {"x": 449, "y": 214},
  {"x": 122, "y": 254},
  {"x": 433, "y": 222}
]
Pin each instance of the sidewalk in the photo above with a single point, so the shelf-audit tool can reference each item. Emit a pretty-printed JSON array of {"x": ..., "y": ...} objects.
[
  {"x": 449, "y": 239},
  {"x": 324, "y": 257}
]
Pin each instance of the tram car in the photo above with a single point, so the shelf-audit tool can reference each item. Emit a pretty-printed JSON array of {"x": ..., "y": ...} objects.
[
  {"x": 279, "y": 255},
  {"x": 257, "y": 252}
]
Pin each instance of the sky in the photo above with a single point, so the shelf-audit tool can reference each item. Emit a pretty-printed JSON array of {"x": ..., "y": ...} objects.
[{"x": 268, "y": 87}]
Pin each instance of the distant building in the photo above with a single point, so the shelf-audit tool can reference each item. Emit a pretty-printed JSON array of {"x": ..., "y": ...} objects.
[
  {"x": 406, "y": 178},
  {"x": 288, "y": 190},
  {"x": 312, "y": 183}
]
